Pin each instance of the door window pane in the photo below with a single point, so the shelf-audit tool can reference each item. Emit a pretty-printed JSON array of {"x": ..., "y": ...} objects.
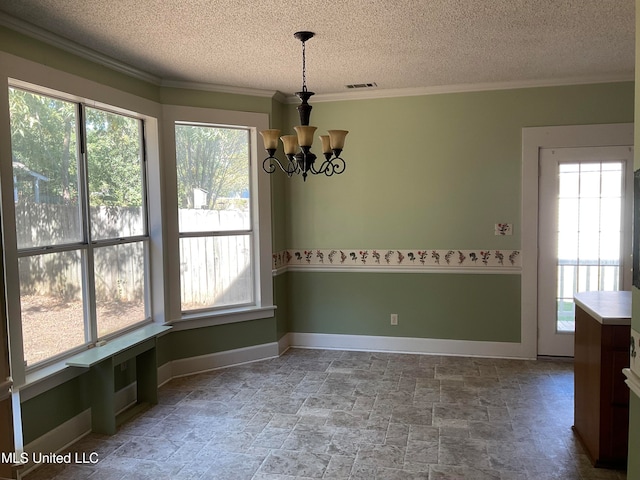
[
  {"x": 45, "y": 170},
  {"x": 120, "y": 286},
  {"x": 114, "y": 164},
  {"x": 52, "y": 304},
  {"x": 589, "y": 232}
]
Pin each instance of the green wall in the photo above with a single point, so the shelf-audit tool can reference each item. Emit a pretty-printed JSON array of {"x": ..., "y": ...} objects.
[
  {"x": 434, "y": 171},
  {"x": 427, "y": 172},
  {"x": 206, "y": 340},
  {"x": 443, "y": 306},
  {"x": 54, "y": 407}
]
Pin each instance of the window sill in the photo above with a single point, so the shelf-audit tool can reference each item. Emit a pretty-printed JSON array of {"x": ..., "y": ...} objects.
[
  {"x": 46, "y": 378},
  {"x": 222, "y": 317}
]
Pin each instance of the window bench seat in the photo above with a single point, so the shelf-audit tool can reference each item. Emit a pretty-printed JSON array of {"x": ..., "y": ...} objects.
[{"x": 139, "y": 344}]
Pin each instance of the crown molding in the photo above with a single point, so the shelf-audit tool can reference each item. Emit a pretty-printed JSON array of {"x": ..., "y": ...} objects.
[
  {"x": 54, "y": 40},
  {"x": 378, "y": 93},
  {"x": 57, "y": 41},
  {"x": 212, "y": 87}
]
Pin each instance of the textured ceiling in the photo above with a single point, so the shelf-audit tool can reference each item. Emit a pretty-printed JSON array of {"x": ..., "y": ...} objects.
[{"x": 398, "y": 44}]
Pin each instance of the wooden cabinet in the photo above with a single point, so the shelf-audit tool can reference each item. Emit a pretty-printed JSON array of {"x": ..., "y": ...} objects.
[{"x": 601, "y": 395}]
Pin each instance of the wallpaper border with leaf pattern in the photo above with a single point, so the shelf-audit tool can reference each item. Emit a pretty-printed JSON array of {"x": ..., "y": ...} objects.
[{"x": 394, "y": 259}]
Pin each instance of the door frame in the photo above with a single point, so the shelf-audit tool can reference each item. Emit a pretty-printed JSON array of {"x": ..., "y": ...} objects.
[
  {"x": 551, "y": 342},
  {"x": 533, "y": 139}
]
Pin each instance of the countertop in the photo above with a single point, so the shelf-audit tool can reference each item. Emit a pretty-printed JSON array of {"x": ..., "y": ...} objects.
[{"x": 608, "y": 308}]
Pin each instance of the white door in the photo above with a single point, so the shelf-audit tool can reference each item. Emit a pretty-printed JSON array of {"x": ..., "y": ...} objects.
[{"x": 584, "y": 235}]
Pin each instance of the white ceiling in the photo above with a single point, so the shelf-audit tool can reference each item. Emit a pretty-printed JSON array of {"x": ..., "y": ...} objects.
[{"x": 398, "y": 44}]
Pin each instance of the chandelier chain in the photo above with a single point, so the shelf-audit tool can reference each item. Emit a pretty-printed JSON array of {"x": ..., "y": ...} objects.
[{"x": 304, "y": 67}]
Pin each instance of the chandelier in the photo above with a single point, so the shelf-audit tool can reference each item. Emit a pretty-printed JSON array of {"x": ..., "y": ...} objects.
[{"x": 297, "y": 148}]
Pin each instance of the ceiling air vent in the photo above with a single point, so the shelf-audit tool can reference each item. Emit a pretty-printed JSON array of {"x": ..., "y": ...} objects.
[{"x": 362, "y": 85}]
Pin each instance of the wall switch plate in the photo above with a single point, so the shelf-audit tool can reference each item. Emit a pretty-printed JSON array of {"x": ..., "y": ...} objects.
[
  {"x": 394, "y": 319},
  {"x": 503, "y": 229}
]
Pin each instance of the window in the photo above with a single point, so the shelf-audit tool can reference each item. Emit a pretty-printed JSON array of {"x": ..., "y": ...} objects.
[
  {"x": 214, "y": 216},
  {"x": 81, "y": 223}
]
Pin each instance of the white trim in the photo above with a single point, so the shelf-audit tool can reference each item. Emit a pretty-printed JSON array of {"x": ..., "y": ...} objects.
[
  {"x": 533, "y": 139},
  {"x": 633, "y": 381},
  {"x": 213, "y": 318},
  {"x": 260, "y": 203},
  {"x": 214, "y": 361},
  {"x": 164, "y": 373},
  {"x": 432, "y": 346},
  {"x": 58, "y": 439},
  {"x": 81, "y": 51},
  {"x": 18, "y": 71},
  {"x": 125, "y": 398},
  {"x": 54, "y": 40},
  {"x": 279, "y": 271},
  {"x": 211, "y": 87},
  {"x": 284, "y": 344},
  {"x": 44, "y": 379},
  {"x": 376, "y": 93}
]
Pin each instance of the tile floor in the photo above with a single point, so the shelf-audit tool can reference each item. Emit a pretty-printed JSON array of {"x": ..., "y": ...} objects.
[{"x": 314, "y": 414}]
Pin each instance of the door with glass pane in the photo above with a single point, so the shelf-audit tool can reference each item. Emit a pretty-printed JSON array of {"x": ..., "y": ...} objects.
[{"x": 585, "y": 201}]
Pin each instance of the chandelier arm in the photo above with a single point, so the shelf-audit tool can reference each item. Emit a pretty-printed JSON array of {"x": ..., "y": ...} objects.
[
  {"x": 294, "y": 166},
  {"x": 332, "y": 166},
  {"x": 269, "y": 166}
]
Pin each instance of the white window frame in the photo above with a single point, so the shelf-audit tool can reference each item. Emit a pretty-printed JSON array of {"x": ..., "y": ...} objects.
[
  {"x": 262, "y": 307},
  {"x": 87, "y": 246},
  {"x": 24, "y": 74}
]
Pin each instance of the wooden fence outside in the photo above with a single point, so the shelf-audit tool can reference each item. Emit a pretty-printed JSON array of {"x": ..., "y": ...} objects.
[{"x": 213, "y": 270}]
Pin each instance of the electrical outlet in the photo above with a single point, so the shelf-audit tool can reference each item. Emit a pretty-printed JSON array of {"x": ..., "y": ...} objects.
[{"x": 394, "y": 319}]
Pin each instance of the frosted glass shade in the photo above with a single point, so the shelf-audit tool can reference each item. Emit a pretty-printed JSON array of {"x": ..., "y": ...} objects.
[
  {"x": 305, "y": 135},
  {"x": 270, "y": 138},
  {"x": 290, "y": 143},
  {"x": 337, "y": 138},
  {"x": 326, "y": 143}
]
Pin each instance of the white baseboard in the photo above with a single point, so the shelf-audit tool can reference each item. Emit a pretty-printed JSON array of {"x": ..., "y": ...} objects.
[
  {"x": 213, "y": 361},
  {"x": 164, "y": 373},
  {"x": 58, "y": 439},
  {"x": 407, "y": 345},
  {"x": 74, "y": 429},
  {"x": 125, "y": 397},
  {"x": 284, "y": 344}
]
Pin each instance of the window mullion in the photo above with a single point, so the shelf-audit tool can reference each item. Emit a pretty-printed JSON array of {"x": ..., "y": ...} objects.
[
  {"x": 145, "y": 209},
  {"x": 88, "y": 268}
]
